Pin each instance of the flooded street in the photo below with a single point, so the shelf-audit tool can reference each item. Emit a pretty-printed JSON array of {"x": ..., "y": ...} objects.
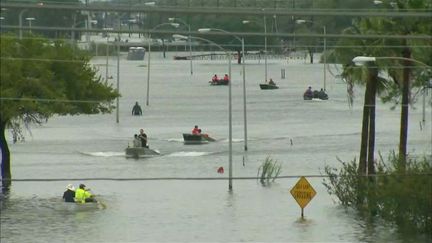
[{"x": 179, "y": 196}]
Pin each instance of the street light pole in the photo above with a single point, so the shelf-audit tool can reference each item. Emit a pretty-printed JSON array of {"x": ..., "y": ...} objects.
[
  {"x": 265, "y": 44},
  {"x": 230, "y": 167},
  {"x": 148, "y": 69},
  {"x": 244, "y": 77},
  {"x": 20, "y": 21},
  {"x": 325, "y": 57},
  {"x": 189, "y": 40},
  {"x": 301, "y": 21},
  {"x": 30, "y": 19},
  {"x": 118, "y": 78},
  {"x": 265, "y": 49},
  {"x": 149, "y": 58}
]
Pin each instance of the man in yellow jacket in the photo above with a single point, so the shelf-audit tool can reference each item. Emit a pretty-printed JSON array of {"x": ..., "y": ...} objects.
[{"x": 82, "y": 195}]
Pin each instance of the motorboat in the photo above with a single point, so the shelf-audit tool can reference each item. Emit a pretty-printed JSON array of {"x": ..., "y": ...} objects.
[
  {"x": 269, "y": 86},
  {"x": 190, "y": 138},
  {"x": 219, "y": 82},
  {"x": 140, "y": 152},
  {"x": 321, "y": 95}
]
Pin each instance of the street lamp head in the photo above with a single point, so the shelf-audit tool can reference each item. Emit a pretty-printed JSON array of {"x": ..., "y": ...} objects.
[
  {"x": 245, "y": 21},
  {"x": 171, "y": 19},
  {"x": 361, "y": 60},
  {"x": 177, "y": 36},
  {"x": 175, "y": 25},
  {"x": 301, "y": 21},
  {"x": 204, "y": 30},
  {"x": 30, "y": 18},
  {"x": 150, "y": 3}
]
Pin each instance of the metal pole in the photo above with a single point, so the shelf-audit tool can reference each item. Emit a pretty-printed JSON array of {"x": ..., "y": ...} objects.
[
  {"x": 244, "y": 95},
  {"x": 230, "y": 172},
  {"x": 265, "y": 49},
  {"x": 190, "y": 51},
  {"x": 118, "y": 77},
  {"x": 107, "y": 53},
  {"x": 30, "y": 25},
  {"x": 148, "y": 70},
  {"x": 20, "y": 22},
  {"x": 424, "y": 106},
  {"x": 325, "y": 57}
]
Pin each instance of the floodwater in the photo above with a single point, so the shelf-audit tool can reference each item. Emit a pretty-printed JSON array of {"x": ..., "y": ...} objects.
[{"x": 146, "y": 204}]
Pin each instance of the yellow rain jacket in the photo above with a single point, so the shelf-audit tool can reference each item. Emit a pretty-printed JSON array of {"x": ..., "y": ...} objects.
[{"x": 81, "y": 195}]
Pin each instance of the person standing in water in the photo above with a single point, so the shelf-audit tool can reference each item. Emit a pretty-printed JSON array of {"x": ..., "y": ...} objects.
[{"x": 136, "y": 110}]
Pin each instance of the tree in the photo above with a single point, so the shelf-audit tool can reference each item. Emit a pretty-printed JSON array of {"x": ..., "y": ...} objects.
[
  {"x": 39, "y": 79},
  {"x": 398, "y": 77}
]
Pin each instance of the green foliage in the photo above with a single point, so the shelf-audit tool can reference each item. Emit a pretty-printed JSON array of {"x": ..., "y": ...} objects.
[
  {"x": 396, "y": 194},
  {"x": 40, "y": 78},
  {"x": 269, "y": 171}
]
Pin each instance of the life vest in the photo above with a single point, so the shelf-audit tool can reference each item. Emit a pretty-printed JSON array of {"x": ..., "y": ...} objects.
[
  {"x": 81, "y": 195},
  {"x": 195, "y": 131}
]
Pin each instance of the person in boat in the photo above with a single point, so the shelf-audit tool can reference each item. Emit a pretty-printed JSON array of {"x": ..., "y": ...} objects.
[
  {"x": 271, "y": 82},
  {"x": 137, "y": 141},
  {"x": 226, "y": 78},
  {"x": 143, "y": 137},
  {"x": 202, "y": 134},
  {"x": 215, "y": 79},
  {"x": 83, "y": 195},
  {"x": 322, "y": 95},
  {"x": 308, "y": 93},
  {"x": 136, "y": 110},
  {"x": 196, "y": 130},
  {"x": 69, "y": 194}
]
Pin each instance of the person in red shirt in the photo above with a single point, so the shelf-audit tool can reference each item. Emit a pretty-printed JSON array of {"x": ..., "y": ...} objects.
[
  {"x": 226, "y": 78},
  {"x": 215, "y": 78},
  {"x": 196, "y": 130}
]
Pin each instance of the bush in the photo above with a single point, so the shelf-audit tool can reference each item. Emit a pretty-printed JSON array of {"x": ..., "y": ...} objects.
[
  {"x": 397, "y": 195},
  {"x": 269, "y": 170}
]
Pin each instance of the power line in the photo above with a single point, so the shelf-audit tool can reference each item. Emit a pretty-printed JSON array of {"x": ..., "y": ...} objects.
[{"x": 213, "y": 178}]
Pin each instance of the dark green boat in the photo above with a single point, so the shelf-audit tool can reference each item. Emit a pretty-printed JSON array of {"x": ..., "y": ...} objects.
[
  {"x": 268, "y": 86},
  {"x": 197, "y": 138}
]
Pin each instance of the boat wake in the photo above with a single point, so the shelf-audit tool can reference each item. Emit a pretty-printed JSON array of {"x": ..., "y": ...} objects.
[
  {"x": 235, "y": 140},
  {"x": 103, "y": 154},
  {"x": 180, "y": 140},
  {"x": 189, "y": 154}
]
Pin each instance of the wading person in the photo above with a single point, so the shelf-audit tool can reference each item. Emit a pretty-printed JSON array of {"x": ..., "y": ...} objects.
[
  {"x": 136, "y": 110},
  {"x": 69, "y": 194}
]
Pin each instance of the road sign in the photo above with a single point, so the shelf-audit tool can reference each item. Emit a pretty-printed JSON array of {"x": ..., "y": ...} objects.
[{"x": 303, "y": 192}]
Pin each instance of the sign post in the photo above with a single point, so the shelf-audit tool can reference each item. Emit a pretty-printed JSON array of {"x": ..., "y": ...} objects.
[{"x": 303, "y": 193}]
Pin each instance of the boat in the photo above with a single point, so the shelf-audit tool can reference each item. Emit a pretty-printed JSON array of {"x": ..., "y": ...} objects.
[
  {"x": 269, "y": 86},
  {"x": 197, "y": 138},
  {"x": 136, "y": 53},
  {"x": 140, "y": 152},
  {"x": 219, "y": 82},
  {"x": 316, "y": 95},
  {"x": 70, "y": 206}
]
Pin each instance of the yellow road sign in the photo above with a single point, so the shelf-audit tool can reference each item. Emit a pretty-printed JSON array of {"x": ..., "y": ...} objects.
[{"x": 303, "y": 192}]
